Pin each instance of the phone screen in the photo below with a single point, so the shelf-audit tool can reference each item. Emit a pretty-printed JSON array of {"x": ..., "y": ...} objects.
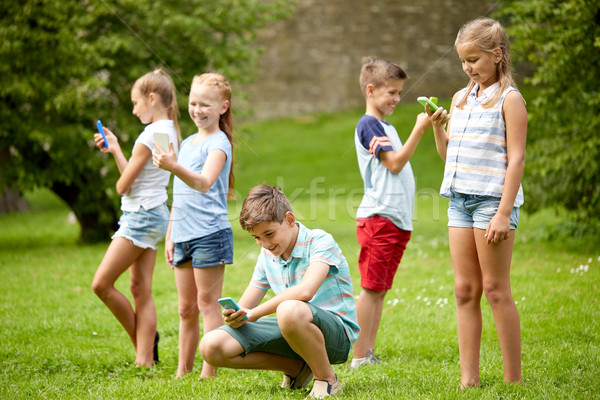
[{"x": 163, "y": 140}]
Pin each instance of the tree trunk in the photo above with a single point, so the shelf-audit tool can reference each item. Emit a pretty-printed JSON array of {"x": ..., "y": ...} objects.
[
  {"x": 12, "y": 201},
  {"x": 96, "y": 212}
]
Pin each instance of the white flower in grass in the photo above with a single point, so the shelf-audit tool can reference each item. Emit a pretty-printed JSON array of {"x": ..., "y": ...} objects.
[
  {"x": 581, "y": 269},
  {"x": 589, "y": 260},
  {"x": 557, "y": 270}
]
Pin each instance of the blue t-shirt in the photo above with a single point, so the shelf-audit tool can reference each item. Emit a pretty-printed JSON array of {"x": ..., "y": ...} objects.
[
  {"x": 385, "y": 193},
  {"x": 335, "y": 293},
  {"x": 197, "y": 214}
]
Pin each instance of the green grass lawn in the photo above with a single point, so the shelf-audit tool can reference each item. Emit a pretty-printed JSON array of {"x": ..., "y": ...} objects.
[{"x": 58, "y": 341}]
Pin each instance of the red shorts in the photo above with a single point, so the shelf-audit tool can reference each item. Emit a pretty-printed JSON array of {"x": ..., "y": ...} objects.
[{"x": 382, "y": 245}]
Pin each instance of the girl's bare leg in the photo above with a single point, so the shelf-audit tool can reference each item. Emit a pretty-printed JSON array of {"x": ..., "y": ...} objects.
[
  {"x": 209, "y": 284},
  {"x": 495, "y": 260},
  {"x": 468, "y": 288},
  {"x": 119, "y": 256},
  {"x": 189, "y": 328},
  {"x": 145, "y": 313}
]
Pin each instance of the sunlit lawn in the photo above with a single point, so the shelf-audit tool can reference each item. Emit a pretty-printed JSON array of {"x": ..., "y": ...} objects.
[{"x": 60, "y": 342}]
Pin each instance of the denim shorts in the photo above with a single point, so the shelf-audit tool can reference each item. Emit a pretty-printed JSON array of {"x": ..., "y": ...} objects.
[
  {"x": 264, "y": 335},
  {"x": 208, "y": 251},
  {"x": 472, "y": 211},
  {"x": 145, "y": 228}
]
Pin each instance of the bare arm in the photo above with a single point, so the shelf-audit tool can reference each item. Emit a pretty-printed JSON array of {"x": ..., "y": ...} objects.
[
  {"x": 395, "y": 161},
  {"x": 133, "y": 168},
  {"x": 113, "y": 147},
  {"x": 304, "y": 291},
  {"x": 169, "y": 245},
  {"x": 439, "y": 120},
  {"x": 515, "y": 118},
  {"x": 202, "y": 181}
]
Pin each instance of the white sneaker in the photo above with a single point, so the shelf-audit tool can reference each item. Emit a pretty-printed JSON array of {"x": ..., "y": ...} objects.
[
  {"x": 300, "y": 381},
  {"x": 323, "y": 389},
  {"x": 368, "y": 359}
]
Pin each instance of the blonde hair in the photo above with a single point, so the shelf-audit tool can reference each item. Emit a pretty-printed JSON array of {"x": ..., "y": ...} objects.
[
  {"x": 488, "y": 35},
  {"x": 378, "y": 72},
  {"x": 161, "y": 84},
  {"x": 264, "y": 203},
  {"x": 220, "y": 83}
]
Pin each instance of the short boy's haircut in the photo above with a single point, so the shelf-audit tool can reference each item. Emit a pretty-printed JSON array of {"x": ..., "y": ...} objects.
[
  {"x": 377, "y": 72},
  {"x": 263, "y": 203}
]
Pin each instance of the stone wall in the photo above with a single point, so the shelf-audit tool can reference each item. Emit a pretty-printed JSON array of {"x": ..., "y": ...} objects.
[{"x": 312, "y": 60}]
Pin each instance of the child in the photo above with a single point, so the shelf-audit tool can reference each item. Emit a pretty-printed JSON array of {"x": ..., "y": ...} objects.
[
  {"x": 199, "y": 240},
  {"x": 145, "y": 214},
  {"x": 484, "y": 150},
  {"x": 315, "y": 322},
  {"x": 384, "y": 217}
]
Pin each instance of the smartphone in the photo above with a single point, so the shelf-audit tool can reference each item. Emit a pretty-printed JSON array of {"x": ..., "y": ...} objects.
[
  {"x": 101, "y": 131},
  {"x": 424, "y": 100},
  {"x": 162, "y": 139},
  {"x": 229, "y": 303}
]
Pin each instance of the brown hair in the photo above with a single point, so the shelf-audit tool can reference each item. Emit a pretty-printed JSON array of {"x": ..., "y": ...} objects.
[
  {"x": 219, "y": 82},
  {"x": 377, "y": 72},
  {"x": 161, "y": 84},
  {"x": 487, "y": 35},
  {"x": 264, "y": 203}
]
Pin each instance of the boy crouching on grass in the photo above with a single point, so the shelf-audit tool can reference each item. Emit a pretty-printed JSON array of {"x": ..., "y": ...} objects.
[{"x": 315, "y": 323}]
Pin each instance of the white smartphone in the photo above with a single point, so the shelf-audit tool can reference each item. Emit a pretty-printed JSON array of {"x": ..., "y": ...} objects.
[{"x": 162, "y": 139}]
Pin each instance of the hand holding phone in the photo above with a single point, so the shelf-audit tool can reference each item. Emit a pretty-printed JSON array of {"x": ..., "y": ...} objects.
[
  {"x": 101, "y": 131},
  {"x": 162, "y": 139},
  {"x": 432, "y": 101},
  {"x": 229, "y": 303}
]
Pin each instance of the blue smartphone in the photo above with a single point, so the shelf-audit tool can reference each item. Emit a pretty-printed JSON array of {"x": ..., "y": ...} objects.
[
  {"x": 101, "y": 131},
  {"x": 229, "y": 303}
]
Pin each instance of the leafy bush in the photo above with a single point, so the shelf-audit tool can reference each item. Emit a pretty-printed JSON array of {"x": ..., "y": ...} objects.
[{"x": 562, "y": 40}]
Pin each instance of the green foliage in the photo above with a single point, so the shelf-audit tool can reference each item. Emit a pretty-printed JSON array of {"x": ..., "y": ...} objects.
[
  {"x": 562, "y": 40},
  {"x": 67, "y": 63}
]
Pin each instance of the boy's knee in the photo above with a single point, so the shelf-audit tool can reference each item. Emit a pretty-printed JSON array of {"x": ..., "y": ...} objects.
[
  {"x": 293, "y": 313},
  {"x": 212, "y": 348}
]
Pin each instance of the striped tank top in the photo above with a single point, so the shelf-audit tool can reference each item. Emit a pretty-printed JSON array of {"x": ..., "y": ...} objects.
[{"x": 476, "y": 158}]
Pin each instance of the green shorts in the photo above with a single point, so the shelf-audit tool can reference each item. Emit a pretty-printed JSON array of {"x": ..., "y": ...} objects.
[{"x": 264, "y": 335}]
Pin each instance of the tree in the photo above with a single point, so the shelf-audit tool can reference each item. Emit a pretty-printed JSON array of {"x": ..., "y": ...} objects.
[
  {"x": 562, "y": 40},
  {"x": 67, "y": 63}
]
